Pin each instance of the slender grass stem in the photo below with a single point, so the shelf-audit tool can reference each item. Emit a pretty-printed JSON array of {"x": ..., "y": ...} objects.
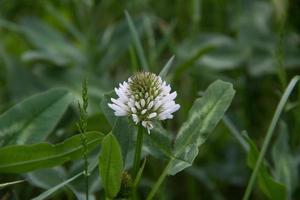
[
  {"x": 159, "y": 181},
  {"x": 82, "y": 127},
  {"x": 138, "y": 150},
  {"x": 269, "y": 135},
  {"x": 235, "y": 132},
  {"x": 86, "y": 173}
]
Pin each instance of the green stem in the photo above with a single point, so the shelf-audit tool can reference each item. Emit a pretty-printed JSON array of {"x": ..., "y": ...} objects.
[
  {"x": 270, "y": 132},
  {"x": 235, "y": 132},
  {"x": 159, "y": 181},
  {"x": 138, "y": 150},
  {"x": 86, "y": 174}
]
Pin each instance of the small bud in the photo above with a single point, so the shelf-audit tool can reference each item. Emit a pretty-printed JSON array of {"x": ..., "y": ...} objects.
[{"x": 126, "y": 186}]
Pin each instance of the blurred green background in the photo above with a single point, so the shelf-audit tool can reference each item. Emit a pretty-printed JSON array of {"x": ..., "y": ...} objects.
[{"x": 254, "y": 44}]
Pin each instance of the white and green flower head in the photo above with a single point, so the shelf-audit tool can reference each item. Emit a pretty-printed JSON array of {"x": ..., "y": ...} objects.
[{"x": 145, "y": 97}]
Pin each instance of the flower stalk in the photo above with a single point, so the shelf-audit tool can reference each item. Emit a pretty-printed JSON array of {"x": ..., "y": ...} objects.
[{"x": 138, "y": 151}]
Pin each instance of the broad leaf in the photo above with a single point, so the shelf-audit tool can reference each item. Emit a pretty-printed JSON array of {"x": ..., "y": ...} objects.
[
  {"x": 204, "y": 115},
  {"x": 121, "y": 127},
  {"x": 111, "y": 165},
  {"x": 34, "y": 118},
  {"x": 270, "y": 187},
  {"x": 25, "y": 158},
  {"x": 159, "y": 142}
]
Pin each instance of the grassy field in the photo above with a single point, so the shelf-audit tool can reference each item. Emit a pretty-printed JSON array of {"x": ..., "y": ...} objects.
[{"x": 233, "y": 64}]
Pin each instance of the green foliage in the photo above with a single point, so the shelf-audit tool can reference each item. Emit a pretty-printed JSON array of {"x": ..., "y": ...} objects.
[
  {"x": 111, "y": 165},
  {"x": 122, "y": 128},
  {"x": 49, "y": 192},
  {"x": 137, "y": 42},
  {"x": 253, "y": 44},
  {"x": 204, "y": 115},
  {"x": 33, "y": 119},
  {"x": 82, "y": 128},
  {"x": 24, "y": 158},
  {"x": 285, "y": 162},
  {"x": 46, "y": 194},
  {"x": 126, "y": 186},
  {"x": 3, "y": 185},
  {"x": 270, "y": 187},
  {"x": 165, "y": 70}
]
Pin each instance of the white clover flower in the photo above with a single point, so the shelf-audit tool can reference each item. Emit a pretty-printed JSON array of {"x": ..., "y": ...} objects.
[{"x": 145, "y": 97}]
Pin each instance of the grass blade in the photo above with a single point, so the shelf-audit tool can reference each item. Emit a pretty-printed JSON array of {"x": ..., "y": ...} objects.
[
  {"x": 139, "y": 174},
  {"x": 269, "y": 135},
  {"x": 3, "y": 185},
  {"x": 137, "y": 42},
  {"x": 54, "y": 189},
  {"x": 167, "y": 67}
]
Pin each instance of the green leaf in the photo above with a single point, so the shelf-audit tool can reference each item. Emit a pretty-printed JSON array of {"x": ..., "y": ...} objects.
[
  {"x": 285, "y": 162},
  {"x": 191, "y": 61},
  {"x": 165, "y": 70},
  {"x": 111, "y": 165},
  {"x": 139, "y": 174},
  {"x": 49, "y": 192},
  {"x": 122, "y": 128},
  {"x": 27, "y": 82},
  {"x": 46, "y": 178},
  {"x": 3, "y": 185},
  {"x": 56, "y": 188},
  {"x": 25, "y": 158},
  {"x": 137, "y": 42},
  {"x": 270, "y": 187},
  {"x": 204, "y": 115},
  {"x": 34, "y": 118},
  {"x": 159, "y": 143},
  {"x": 51, "y": 44}
]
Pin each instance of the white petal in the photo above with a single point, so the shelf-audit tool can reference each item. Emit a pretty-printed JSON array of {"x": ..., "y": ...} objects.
[
  {"x": 133, "y": 109},
  {"x": 157, "y": 104},
  {"x": 147, "y": 125},
  {"x": 152, "y": 115},
  {"x": 170, "y": 97},
  {"x": 143, "y": 103},
  {"x": 120, "y": 104},
  {"x": 137, "y": 105},
  {"x": 115, "y": 107},
  {"x": 175, "y": 108},
  {"x": 121, "y": 113},
  {"x": 135, "y": 118},
  {"x": 150, "y": 105}
]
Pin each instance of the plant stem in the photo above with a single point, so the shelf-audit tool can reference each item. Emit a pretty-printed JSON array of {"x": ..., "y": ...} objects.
[
  {"x": 235, "y": 132},
  {"x": 270, "y": 132},
  {"x": 159, "y": 181},
  {"x": 86, "y": 175},
  {"x": 138, "y": 150},
  {"x": 82, "y": 126}
]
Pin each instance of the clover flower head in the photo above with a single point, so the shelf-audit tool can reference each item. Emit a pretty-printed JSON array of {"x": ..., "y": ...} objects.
[{"x": 145, "y": 97}]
